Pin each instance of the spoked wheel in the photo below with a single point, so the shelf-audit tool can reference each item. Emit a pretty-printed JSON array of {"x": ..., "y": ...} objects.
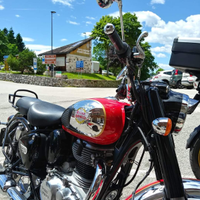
[
  {"x": 179, "y": 85},
  {"x": 195, "y": 158}
]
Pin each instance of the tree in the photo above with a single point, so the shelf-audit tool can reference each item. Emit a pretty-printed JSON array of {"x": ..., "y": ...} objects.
[
  {"x": 149, "y": 63},
  {"x": 23, "y": 62},
  {"x": 13, "y": 62},
  {"x": 26, "y": 60},
  {"x": 5, "y": 30},
  {"x": 159, "y": 70},
  {"x": 102, "y": 42},
  {"x": 19, "y": 43},
  {"x": 132, "y": 29},
  {"x": 11, "y": 37},
  {"x": 12, "y": 49},
  {"x": 3, "y": 45},
  {"x": 41, "y": 68}
]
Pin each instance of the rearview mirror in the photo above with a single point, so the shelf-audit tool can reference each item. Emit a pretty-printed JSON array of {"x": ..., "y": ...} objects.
[{"x": 104, "y": 3}]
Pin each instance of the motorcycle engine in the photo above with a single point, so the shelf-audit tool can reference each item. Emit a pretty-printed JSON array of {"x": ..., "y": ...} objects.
[{"x": 73, "y": 179}]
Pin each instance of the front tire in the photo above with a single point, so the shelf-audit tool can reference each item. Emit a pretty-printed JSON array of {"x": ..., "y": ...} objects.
[{"x": 195, "y": 158}]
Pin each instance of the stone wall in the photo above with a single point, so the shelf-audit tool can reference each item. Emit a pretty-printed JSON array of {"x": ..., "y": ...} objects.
[
  {"x": 71, "y": 63},
  {"x": 56, "y": 82},
  {"x": 90, "y": 83},
  {"x": 33, "y": 80}
]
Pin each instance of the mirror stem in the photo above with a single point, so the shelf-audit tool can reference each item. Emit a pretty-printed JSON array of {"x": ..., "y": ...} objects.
[{"x": 119, "y": 2}]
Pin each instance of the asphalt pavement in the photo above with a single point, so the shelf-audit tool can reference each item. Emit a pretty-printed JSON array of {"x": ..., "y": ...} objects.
[{"x": 68, "y": 95}]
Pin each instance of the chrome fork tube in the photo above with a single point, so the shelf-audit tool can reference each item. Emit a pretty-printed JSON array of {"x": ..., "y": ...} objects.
[{"x": 97, "y": 183}]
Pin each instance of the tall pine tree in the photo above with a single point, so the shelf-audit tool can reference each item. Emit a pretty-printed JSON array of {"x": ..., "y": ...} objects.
[
  {"x": 20, "y": 43},
  {"x": 3, "y": 45},
  {"x": 11, "y": 36},
  {"x": 5, "y": 30}
]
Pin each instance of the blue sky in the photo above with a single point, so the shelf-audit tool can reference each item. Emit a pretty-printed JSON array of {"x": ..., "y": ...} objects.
[{"x": 163, "y": 19}]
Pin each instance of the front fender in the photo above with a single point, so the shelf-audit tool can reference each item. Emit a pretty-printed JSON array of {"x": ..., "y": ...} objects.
[
  {"x": 192, "y": 137},
  {"x": 155, "y": 190}
]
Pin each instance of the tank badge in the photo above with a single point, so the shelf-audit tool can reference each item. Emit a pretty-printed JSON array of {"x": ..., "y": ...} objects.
[{"x": 81, "y": 115}]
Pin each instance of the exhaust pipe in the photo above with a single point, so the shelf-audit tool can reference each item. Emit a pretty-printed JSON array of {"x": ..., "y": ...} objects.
[
  {"x": 15, "y": 194},
  {"x": 97, "y": 184}
]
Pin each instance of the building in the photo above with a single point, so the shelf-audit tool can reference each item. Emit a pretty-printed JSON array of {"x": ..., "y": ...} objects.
[{"x": 68, "y": 55}]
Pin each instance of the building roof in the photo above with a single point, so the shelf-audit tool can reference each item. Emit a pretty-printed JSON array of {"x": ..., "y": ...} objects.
[{"x": 67, "y": 48}]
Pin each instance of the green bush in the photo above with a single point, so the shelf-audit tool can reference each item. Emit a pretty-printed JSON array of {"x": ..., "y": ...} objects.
[{"x": 41, "y": 68}]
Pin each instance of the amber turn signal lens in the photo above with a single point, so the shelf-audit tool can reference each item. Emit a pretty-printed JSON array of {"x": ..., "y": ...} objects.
[
  {"x": 168, "y": 127},
  {"x": 162, "y": 126}
]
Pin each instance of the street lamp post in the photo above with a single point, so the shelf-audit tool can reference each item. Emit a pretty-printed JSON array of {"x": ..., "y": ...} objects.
[{"x": 52, "y": 67}]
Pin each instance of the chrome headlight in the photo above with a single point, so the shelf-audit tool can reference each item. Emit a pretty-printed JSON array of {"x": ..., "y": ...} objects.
[{"x": 177, "y": 106}]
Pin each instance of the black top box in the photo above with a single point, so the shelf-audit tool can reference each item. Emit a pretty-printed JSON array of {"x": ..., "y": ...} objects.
[{"x": 186, "y": 55}]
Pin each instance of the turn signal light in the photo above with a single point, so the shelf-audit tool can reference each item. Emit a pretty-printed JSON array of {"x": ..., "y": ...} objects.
[{"x": 162, "y": 126}]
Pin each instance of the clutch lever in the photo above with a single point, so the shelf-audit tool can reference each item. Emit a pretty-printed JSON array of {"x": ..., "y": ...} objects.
[{"x": 140, "y": 54}]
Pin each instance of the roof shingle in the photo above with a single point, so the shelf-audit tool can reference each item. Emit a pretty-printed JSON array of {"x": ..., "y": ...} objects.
[{"x": 67, "y": 48}]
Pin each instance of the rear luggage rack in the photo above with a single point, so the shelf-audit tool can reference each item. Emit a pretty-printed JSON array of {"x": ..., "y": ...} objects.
[{"x": 11, "y": 97}]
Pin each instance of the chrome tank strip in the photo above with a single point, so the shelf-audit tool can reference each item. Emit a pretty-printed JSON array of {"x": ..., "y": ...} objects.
[
  {"x": 97, "y": 184},
  {"x": 155, "y": 191}
]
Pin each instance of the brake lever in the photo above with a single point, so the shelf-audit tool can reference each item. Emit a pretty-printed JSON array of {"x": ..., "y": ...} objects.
[{"x": 140, "y": 54}]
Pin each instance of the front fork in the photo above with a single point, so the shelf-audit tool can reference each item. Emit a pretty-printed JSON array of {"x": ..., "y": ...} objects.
[{"x": 166, "y": 153}]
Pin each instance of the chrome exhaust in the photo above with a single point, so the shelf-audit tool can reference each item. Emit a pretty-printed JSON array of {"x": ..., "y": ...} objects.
[
  {"x": 15, "y": 194},
  {"x": 97, "y": 183}
]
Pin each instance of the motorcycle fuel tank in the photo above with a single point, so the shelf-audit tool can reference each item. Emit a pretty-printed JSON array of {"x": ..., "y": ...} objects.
[{"x": 98, "y": 120}]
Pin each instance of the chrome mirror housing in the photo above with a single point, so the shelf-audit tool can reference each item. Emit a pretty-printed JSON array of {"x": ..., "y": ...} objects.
[
  {"x": 104, "y": 3},
  {"x": 162, "y": 126}
]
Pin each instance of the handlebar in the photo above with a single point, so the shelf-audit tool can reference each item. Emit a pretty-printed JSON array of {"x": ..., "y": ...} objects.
[{"x": 121, "y": 47}]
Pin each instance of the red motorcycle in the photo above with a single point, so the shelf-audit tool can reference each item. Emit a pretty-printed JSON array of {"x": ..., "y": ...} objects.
[{"x": 87, "y": 150}]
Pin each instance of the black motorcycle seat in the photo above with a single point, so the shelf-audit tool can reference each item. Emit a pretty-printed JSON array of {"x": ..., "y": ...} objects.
[
  {"x": 24, "y": 103},
  {"x": 43, "y": 114}
]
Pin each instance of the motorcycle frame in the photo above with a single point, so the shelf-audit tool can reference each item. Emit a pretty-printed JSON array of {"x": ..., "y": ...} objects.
[{"x": 162, "y": 153}]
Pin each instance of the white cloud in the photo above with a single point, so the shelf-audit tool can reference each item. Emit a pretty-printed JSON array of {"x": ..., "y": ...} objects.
[
  {"x": 17, "y": 15},
  {"x": 63, "y": 40},
  {"x": 116, "y": 14},
  {"x": 161, "y": 55},
  {"x": 27, "y": 39},
  {"x": 64, "y": 2},
  {"x": 38, "y": 48},
  {"x": 164, "y": 32},
  {"x": 91, "y": 18},
  {"x": 71, "y": 22},
  {"x": 87, "y": 34},
  {"x": 88, "y": 22},
  {"x": 165, "y": 66},
  {"x": 164, "y": 49},
  {"x": 1, "y": 7},
  {"x": 157, "y": 1},
  {"x": 73, "y": 17},
  {"x": 149, "y": 19},
  {"x": 82, "y": 2}
]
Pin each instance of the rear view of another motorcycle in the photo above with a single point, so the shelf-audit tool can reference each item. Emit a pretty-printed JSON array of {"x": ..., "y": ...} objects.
[{"x": 87, "y": 151}]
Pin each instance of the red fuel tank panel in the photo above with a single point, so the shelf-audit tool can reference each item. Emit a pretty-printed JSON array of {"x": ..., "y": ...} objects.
[{"x": 97, "y": 120}]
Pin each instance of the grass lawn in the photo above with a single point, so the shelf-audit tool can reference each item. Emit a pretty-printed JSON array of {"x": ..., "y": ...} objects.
[
  {"x": 75, "y": 76},
  {"x": 11, "y": 72},
  {"x": 89, "y": 76}
]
